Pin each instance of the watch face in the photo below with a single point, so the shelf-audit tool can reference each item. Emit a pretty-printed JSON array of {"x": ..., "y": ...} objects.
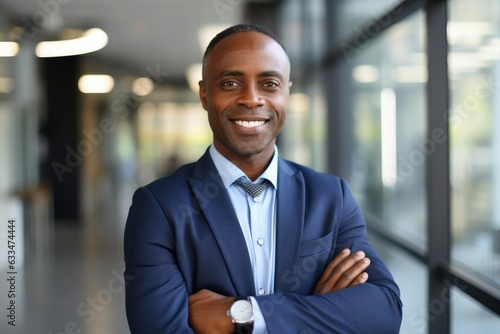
[{"x": 241, "y": 311}]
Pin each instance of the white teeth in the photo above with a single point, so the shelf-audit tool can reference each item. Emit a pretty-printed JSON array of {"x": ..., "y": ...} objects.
[{"x": 249, "y": 124}]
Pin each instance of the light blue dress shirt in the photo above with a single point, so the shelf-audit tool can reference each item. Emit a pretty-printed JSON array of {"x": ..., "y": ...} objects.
[{"x": 257, "y": 218}]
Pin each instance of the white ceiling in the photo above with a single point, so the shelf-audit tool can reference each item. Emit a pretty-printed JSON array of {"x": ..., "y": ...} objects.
[{"x": 141, "y": 33}]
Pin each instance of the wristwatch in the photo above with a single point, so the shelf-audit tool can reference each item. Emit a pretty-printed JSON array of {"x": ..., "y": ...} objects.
[{"x": 241, "y": 313}]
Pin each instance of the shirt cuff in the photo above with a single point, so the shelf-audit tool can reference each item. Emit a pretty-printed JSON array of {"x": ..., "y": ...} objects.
[{"x": 259, "y": 324}]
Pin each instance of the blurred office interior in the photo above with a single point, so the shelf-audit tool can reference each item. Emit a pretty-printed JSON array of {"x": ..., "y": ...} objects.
[{"x": 397, "y": 96}]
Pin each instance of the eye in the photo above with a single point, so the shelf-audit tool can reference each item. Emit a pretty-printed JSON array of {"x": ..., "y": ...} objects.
[
  {"x": 271, "y": 84},
  {"x": 230, "y": 84}
]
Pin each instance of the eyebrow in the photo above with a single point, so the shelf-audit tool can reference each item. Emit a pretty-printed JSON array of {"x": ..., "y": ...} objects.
[{"x": 235, "y": 73}]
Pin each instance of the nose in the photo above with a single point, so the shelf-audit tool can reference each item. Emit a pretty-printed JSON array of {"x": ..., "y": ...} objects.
[{"x": 250, "y": 97}]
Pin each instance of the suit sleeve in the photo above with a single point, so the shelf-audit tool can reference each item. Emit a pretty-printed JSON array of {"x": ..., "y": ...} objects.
[
  {"x": 373, "y": 307},
  {"x": 156, "y": 296}
]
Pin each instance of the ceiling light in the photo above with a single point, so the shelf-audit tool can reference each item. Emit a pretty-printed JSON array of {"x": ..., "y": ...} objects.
[
  {"x": 365, "y": 73},
  {"x": 96, "y": 83},
  {"x": 92, "y": 40},
  {"x": 8, "y": 49},
  {"x": 142, "y": 86}
]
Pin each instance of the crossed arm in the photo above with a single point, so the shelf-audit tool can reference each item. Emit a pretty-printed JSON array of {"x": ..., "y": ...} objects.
[
  {"x": 343, "y": 299},
  {"x": 207, "y": 309}
]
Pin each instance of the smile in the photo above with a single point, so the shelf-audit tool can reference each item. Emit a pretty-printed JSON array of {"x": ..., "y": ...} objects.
[{"x": 249, "y": 124}]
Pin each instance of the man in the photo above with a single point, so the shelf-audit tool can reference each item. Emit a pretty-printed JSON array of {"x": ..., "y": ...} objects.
[{"x": 203, "y": 255}]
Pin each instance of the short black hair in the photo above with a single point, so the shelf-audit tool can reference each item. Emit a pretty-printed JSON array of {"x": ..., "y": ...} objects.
[{"x": 236, "y": 29}]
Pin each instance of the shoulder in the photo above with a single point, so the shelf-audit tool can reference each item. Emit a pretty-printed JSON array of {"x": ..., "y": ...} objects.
[{"x": 172, "y": 184}]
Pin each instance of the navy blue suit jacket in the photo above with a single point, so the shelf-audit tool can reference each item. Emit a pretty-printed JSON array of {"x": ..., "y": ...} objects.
[{"x": 182, "y": 235}]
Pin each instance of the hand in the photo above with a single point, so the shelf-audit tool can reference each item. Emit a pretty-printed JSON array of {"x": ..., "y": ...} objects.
[
  {"x": 343, "y": 271},
  {"x": 208, "y": 313}
]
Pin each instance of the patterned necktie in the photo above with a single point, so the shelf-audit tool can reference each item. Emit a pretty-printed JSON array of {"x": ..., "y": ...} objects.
[{"x": 254, "y": 190}]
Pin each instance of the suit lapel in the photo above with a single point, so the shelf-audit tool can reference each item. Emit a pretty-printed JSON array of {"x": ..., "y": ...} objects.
[
  {"x": 289, "y": 222},
  {"x": 219, "y": 213}
]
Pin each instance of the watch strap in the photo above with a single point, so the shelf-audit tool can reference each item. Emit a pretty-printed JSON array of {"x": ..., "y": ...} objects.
[
  {"x": 244, "y": 328},
  {"x": 240, "y": 298}
]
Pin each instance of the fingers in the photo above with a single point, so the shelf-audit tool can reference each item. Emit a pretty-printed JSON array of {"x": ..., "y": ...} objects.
[
  {"x": 362, "y": 278},
  {"x": 345, "y": 270},
  {"x": 330, "y": 267}
]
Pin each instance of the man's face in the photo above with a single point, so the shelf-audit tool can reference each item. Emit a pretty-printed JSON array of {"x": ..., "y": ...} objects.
[{"x": 245, "y": 90}]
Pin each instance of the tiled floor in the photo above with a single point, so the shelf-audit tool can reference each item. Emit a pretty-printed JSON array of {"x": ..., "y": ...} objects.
[{"x": 77, "y": 288}]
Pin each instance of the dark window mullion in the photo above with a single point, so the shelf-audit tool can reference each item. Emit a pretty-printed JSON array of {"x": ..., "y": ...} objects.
[
  {"x": 438, "y": 167},
  {"x": 482, "y": 290}
]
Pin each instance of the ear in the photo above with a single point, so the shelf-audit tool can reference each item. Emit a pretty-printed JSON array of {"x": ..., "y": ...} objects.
[{"x": 203, "y": 94}]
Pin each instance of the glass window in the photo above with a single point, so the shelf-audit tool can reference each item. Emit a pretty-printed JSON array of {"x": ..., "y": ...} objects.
[
  {"x": 351, "y": 20},
  {"x": 411, "y": 276},
  {"x": 474, "y": 120},
  {"x": 468, "y": 316},
  {"x": 290, "y": 30},
  {"x": 388, "y": 102},
  {"x": 303, "y": 137},
  {"x": 6, "y": 115}
]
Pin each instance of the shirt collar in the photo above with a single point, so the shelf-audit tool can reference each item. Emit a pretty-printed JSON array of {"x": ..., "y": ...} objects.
[{"x": 229, "y": 172}]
